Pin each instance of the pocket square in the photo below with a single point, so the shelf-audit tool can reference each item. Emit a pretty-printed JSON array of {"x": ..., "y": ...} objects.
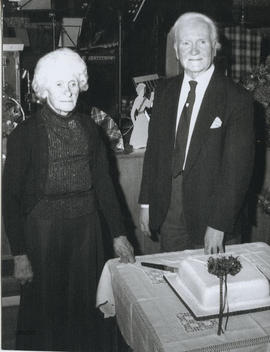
[{"x": 216, "y": 123}]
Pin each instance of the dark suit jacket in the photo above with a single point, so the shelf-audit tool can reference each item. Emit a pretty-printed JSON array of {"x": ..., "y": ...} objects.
[{"x": 219, "y": 162}]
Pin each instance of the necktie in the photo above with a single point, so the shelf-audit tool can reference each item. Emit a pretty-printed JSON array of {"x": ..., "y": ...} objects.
[{"x": 182, "y": 131}]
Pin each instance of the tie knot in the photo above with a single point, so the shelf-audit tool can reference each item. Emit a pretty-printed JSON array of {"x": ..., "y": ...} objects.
[{"x": 192, "y": 84}]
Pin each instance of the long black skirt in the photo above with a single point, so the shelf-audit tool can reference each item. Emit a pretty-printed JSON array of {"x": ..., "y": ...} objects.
[{"x": 57, "y": 310}]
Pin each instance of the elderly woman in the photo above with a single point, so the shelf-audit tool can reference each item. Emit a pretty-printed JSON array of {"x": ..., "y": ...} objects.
[{"x": 55, "y": 183}]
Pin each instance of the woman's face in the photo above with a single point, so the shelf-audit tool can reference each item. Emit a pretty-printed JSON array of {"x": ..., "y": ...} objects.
[{"x": 62, "y": 91}]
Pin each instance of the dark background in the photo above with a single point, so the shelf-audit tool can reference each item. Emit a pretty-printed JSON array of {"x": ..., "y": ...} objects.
[{"x": 143, "y": 40}]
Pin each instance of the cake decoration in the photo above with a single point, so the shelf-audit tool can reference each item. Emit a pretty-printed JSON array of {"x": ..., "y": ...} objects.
[
  {"x": 199, "y": 290},
  {"x": 221, "y": 266}
]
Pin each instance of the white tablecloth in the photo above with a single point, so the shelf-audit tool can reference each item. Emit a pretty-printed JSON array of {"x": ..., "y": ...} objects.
[{"x": 151, "y": 317}]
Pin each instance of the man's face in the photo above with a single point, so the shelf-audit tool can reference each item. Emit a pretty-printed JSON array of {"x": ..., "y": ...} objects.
[
  {"x": 194, "y": 48},
  {"x": 62, "y": 91}
]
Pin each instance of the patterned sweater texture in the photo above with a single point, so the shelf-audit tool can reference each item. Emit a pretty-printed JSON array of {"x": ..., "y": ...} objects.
[{"x": 68, "y": 187}]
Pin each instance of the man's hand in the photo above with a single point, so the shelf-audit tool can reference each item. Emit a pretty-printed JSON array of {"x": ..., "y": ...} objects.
[
  {"x": 22, "y": 269},
  {"x": 123, "y": 249},
  {"x": 144, "y": 221},
  {"x": 213, "y": 241}
]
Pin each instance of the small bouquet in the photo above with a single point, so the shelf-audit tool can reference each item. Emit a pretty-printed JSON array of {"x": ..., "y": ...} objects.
[{"x": 221, "y": 266}]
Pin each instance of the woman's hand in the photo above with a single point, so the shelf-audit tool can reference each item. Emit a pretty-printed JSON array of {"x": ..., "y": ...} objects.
[
  {"x": 123, "y": 249},
  {"x": 22, "y": 269}
]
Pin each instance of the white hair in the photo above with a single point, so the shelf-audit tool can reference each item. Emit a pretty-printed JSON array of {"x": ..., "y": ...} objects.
[
  {"x": 59, "y": 57},
  {"x": 188, "y": 16}
]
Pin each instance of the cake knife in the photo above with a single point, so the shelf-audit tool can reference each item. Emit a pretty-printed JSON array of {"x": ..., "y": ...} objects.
[
  {"x": 260, "y": 270},
  {"x": 160, "y": 267}
]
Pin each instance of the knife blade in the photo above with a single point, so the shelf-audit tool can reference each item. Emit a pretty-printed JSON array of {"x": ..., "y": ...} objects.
[{"x": 160, "y": 267}]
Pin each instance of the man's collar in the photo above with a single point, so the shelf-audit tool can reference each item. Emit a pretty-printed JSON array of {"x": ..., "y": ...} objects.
[{"x": 206, "y": 75}]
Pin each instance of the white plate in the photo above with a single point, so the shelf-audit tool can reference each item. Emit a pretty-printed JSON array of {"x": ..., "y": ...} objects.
[{"x": 199, "y": 312}]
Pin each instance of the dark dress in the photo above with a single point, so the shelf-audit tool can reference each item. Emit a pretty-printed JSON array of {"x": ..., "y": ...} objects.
[{"x": 58, "y": 204}]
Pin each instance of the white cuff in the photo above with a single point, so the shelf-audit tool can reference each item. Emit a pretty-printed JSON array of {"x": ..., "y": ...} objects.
[{"x": 144, "y": 205}]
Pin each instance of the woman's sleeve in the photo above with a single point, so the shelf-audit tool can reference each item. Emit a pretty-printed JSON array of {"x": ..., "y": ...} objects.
[
  {"x": 13, "y": 177},
  {"x": 105, "y": 191}
]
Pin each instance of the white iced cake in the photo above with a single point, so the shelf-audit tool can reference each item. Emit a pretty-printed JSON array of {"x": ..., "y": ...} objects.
[{"x": 248, "y": 286}]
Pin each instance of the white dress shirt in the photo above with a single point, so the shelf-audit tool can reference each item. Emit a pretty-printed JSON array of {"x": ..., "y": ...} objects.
[{"x": 202, "y": 83}]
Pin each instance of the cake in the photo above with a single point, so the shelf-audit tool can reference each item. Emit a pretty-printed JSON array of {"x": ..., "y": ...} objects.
[{"x": 248, "y": 286}]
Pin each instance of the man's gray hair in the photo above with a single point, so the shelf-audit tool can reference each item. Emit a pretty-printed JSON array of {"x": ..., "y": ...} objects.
[
  {"x": 188, "y": 16},
  {"x": 49, "y": 62}
]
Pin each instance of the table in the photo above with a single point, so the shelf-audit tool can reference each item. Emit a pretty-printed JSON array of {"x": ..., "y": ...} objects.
[
  {"x": 129, "y": 169},
  {"x": 151, "y": 317}
]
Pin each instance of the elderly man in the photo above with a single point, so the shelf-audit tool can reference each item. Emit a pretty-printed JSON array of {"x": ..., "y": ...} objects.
[{"x": 199, "y": 157}]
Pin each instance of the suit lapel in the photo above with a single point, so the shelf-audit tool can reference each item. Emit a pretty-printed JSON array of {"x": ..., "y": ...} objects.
[
  {"x": 211, "y": 107},
  {"x": 170, "y": 104}
]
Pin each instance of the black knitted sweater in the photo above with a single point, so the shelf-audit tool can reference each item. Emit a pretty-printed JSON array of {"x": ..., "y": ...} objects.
[{"x": 25, "y": 176}]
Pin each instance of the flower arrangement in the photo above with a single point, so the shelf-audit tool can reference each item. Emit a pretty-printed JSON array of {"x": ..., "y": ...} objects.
[
  {"x": 12, "y": 114},
  {"x": 258, "y": 82},
  {"x": 264, "y": 201},
  {"x": 222, "y": 266}
]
